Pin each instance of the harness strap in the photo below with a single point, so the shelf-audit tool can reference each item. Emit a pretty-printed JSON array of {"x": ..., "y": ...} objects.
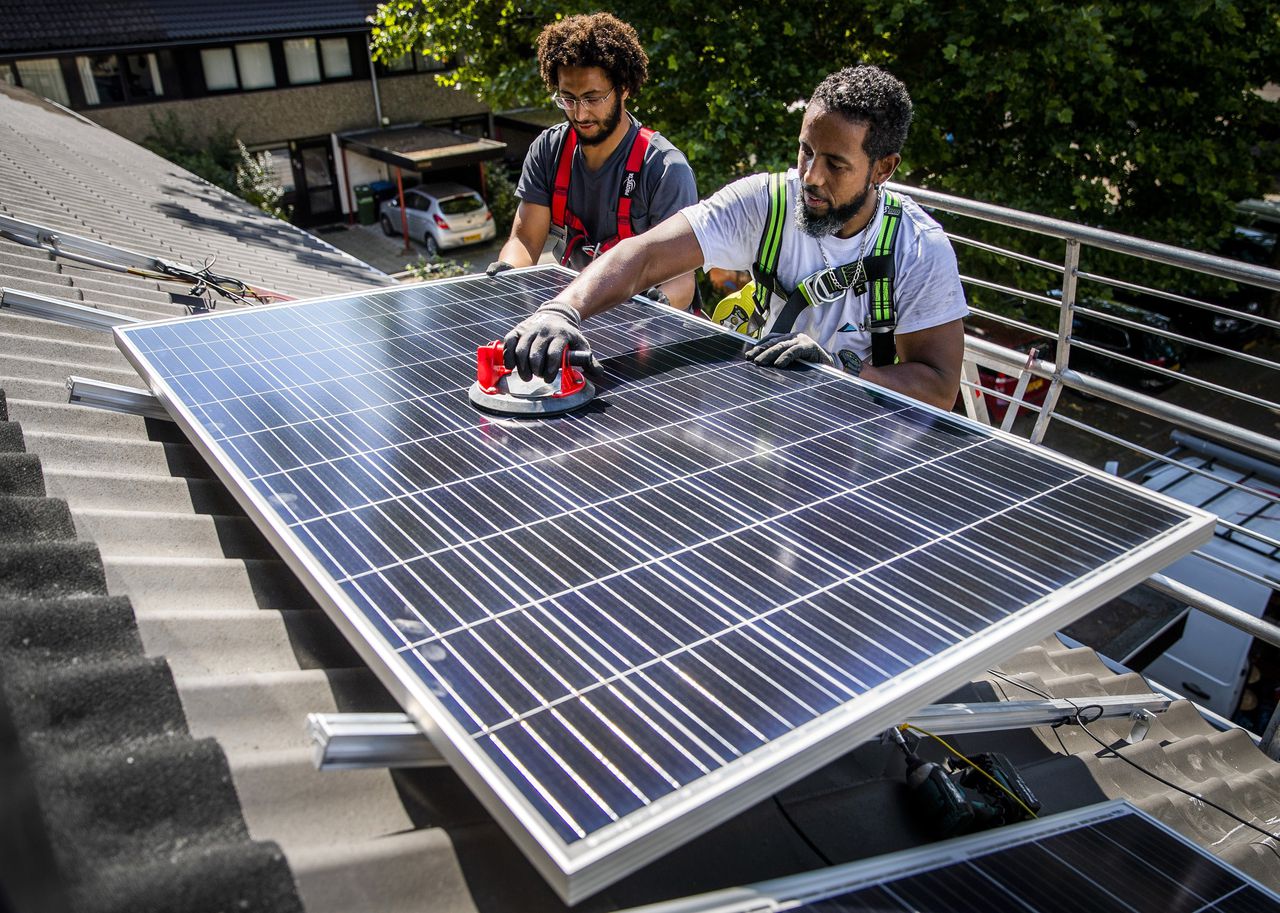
[
  {"x": 630, "y": 180},
  {"x": 560, "y": 195},
  {"x": 562, "y": 216},
  {"x": 765, "y": 269},
  {"x": 883, "y": 311}
]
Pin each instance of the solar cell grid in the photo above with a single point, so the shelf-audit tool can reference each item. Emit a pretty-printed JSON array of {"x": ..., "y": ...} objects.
[
  {"x": 1111, "y": 858},
  {"x": 711, "y": 561}
]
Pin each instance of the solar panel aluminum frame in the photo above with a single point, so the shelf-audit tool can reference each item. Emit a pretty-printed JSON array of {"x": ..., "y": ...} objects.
[
  {"x": 577, "y": 870},
  {"x": 796, "y": 890}
]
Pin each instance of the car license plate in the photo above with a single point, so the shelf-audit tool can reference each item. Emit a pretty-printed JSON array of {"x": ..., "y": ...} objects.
[
  {"x": 1035, "y": 384},
  {"x": 467, "y": 239}
]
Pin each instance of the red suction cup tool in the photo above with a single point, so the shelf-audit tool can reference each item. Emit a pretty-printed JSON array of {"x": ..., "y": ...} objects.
[
  {"x": 490, "y": 368},
  {"x": 498, "y": 389}
]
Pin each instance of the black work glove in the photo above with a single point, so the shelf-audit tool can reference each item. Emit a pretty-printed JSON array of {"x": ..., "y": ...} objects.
[
  {"x": 497, "y": 266},
  {"x": 781, "y": 349},
  {"x": 656, "y": 294},
  {"x": 538, "y": 343}
]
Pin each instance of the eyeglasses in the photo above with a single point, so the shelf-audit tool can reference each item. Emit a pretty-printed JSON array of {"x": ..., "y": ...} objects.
[{"x": 587, "y": 102}]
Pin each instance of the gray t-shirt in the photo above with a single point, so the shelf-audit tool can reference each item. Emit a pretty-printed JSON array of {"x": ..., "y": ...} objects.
[
  {"x": 666, "y": 185},
  {"x": 927, "y": 288}
]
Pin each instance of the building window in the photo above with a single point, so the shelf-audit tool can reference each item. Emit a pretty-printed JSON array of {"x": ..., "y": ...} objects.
[
  {"x": 246, "y": 66},
  {"x": 44, "y": 77},
  {"x": 309, "y": 61},
  {"x": 142, "y": 76},
  {"x": 105, "y": 81},
  {"x": 254, "y": 62},
  {"x": 219, "y": 69},
  {"x": 415, "y": 62},
  {"x": 336, "y": 54},
  {"x": 301, "y": 61}
]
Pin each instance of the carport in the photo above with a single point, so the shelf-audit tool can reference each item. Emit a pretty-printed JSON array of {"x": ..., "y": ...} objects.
[{"x": 419, "y": 149}]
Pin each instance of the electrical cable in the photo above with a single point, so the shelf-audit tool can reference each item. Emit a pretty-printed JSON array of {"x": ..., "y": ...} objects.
[
  {"x": 1004, "y": 789},
  {"x": 800, "y": 832},
  {"x": 201, "y": 279},
  {"x": 1077, "y": 719}
]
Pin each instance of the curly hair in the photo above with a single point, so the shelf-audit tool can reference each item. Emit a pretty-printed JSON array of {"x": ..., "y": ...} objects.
[
  {"x": 597, "y": 40},
  {"x": 868, "y": 95}
]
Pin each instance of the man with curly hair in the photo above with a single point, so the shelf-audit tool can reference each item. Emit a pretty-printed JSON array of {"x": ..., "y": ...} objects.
[
  {"x": 837, "y": 234},
  {"x": 600, "y": 176}
]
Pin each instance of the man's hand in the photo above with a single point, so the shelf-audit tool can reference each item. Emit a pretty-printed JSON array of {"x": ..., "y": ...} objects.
[
  {"x": 497, "y": 266},
  {"x": 781, "y": 349},
  {"x": 656, "y": 294},
  {"x": 537, "y": 345}
]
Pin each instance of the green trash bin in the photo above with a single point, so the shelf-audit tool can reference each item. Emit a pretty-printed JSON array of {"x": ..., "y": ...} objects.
[{"x": 366, "y": 205}]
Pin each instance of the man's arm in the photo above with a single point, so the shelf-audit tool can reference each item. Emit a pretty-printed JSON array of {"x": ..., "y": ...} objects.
[
  {"x": 675, "y": 189},
  {"x": 929, "y": 363},
  {"x": 537, "y": 345},
  {"x": 528, "y": 235},
  {"x": 679, "y": 291},
  {"x": 668, "y": 250}
]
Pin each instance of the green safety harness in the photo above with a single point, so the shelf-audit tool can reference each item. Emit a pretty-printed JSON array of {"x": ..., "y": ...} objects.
[{"x": 748, "y": 313}]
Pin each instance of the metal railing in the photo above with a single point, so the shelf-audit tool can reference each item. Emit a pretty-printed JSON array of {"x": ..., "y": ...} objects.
[{"x": 1102, "y": 411}]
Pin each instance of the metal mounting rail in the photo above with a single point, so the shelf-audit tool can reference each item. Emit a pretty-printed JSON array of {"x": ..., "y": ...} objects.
[
  {"x": 70, "y": 313},
  {"x": 84, "y": 250},
  {"x": 351, "y": 741},
  {"x": 85, "y": 391}
]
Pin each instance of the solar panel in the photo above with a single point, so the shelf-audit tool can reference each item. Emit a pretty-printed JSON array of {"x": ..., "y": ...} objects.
[
  {"x": 623, "y": 625},
  {"x": 1103, "y": 858}
]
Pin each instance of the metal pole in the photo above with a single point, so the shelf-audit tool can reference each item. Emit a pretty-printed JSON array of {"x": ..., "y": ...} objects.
[
  {"x": 1216, "y": 608},
  {"x": 1070, "y": 265},
  {"x": 373, "y": 81},
  {"x": 404, "y": 214},
  {"x": 346, "y": 179}
]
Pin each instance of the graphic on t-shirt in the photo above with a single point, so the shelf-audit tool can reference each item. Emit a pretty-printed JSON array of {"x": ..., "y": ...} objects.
[{"x": 850, "y": 328}]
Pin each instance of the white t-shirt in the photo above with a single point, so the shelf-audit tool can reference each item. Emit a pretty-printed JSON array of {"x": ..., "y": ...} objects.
[{"x": 927, "y": 287}]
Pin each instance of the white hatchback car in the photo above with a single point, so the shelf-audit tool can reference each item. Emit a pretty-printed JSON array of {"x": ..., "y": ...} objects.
[{"x": 441, "y": 216}]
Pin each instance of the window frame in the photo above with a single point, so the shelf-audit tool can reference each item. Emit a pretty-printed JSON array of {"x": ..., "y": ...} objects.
[
  {"x": 232, "y": 47},
  {"x": 83, "y": 64},
  {"x": 422, "y": 64}
]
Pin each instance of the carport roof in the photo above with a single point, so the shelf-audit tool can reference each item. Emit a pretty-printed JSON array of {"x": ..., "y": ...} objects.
[{"x": 421, "y": 148}]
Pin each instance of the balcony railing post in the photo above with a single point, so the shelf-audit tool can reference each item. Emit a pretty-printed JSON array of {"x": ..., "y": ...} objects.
[{"x": 1071, "y": 264}]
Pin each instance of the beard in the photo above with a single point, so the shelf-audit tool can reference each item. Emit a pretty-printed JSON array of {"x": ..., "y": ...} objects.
[
  {"x": 608, "y": 123},
  {"x": 836, "y": 217}
]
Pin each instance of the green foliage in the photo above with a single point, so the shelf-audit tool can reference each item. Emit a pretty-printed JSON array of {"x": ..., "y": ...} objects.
[
  {"x": 1137, "y": 117},
  {"x": 215, "y": 160},
  {"x": 222, "y": 161},
  {"x": 503, "y": 201},
  {"x": 435, "y": 268},
  {"x": 256, "y": 182}
]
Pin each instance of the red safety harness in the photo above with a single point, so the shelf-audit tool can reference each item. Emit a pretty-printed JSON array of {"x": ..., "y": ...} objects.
[{"x": 575, "y": 231}]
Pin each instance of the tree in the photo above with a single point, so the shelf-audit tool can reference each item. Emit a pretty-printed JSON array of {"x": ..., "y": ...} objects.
[{"x": 1138, "y": 117}]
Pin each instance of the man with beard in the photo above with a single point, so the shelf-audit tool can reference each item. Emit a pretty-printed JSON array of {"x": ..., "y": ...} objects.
[
  {"x": 600, "y": 177},
  {"x": 837, "y": 219}
]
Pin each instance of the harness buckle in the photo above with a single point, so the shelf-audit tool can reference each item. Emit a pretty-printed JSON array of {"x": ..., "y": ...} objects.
[{"x": 825, "y": 286}]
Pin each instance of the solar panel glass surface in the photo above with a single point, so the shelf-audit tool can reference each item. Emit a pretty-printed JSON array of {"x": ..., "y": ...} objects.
[
  {"x": 623, "y": 624},
  {"x": 1112, "y": 858}
]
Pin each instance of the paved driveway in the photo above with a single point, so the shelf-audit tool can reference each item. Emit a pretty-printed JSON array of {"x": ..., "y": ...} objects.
[{"x": 368, "y": 243}]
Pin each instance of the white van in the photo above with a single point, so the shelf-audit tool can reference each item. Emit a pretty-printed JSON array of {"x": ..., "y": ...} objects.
[{"x": 1219, "y": 666}]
